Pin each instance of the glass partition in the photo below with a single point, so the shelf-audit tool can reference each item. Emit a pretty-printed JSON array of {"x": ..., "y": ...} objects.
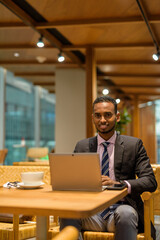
[{"x": 20, "y": 121}]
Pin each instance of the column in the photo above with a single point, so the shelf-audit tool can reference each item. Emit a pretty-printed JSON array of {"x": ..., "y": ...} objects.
[
  {"x": 91, "y": 89},
  {"x": 136, "y": 118},
  {"x": 37, "y": 116},
  {"x": 70, "y": 111}
]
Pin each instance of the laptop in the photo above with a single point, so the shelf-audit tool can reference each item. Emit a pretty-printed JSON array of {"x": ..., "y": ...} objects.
[{"x": 75, "y": 172}]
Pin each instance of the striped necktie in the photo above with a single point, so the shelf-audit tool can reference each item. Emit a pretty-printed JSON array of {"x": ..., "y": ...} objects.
[
  {"x": 105, "y": 172},
  {"x": 105, "y": 160}
]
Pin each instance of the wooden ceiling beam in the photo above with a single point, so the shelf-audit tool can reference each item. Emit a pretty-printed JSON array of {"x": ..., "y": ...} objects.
[
  {"x": 44, "y": 83},
  {"x": 130, "y": 62},
  {"x": 143, "y": 94},
  {"x": 35, "y": 63},
  {"x": 66, "y": 48},
  {"x": 81, "y": 22},
  {"x": 30, "y": 22},
  {"x": 23, "y": 46},
  {"x": 75, "y": 65},
  {"x": 48, "y": 87},
  {"x": 98, "y": 21},
  {"x": 128, "y": 86},
  {"x": 15, "y": 25},
  {"x": 52, "y": 91},
  {"x": 127, "y": 75},
  {"x": 109, "y": 46},
  {"x": 34, "y": 74}
]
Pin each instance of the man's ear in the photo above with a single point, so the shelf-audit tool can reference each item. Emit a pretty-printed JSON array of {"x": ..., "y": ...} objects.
[{"x": 118, "y": 117}]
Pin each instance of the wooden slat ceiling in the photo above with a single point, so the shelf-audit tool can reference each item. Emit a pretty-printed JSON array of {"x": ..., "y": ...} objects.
[{"x": 123, "y": 33}]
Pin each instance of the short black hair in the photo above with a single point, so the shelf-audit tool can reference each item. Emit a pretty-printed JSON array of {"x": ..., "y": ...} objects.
[{"x": 106, "y": 99}]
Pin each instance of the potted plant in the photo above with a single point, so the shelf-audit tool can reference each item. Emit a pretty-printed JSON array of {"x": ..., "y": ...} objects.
[{"x": 124, "y": 119}]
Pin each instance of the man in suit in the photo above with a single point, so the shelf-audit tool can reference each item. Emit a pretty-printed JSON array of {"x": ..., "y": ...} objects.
[{"x": 127, "y": 159}]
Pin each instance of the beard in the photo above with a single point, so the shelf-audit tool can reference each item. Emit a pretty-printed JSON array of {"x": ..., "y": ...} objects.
[{"x": 108, "y": 131}]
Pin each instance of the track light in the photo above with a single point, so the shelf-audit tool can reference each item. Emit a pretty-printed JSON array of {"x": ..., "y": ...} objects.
[
  {"x": 40, "y": 42},
  {"x": 155, "y": 56},
  {"x": 61, "y": 58}
]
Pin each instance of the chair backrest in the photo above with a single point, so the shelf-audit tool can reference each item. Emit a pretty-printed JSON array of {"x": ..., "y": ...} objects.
[
  {"x": 156, "y": 169},
  {"x": 156, "y": 202},
  {"x": 3, "y": 154},
  {"x": 37, "y": 152},
  {"x": 13, "y": 173}
]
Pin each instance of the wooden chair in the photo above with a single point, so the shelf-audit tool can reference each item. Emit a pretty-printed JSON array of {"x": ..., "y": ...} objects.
[
  {"x": 68, "y": 233},
  {"x": 3, "y": 154},
  {"x": 151, "y": 208},
  {"x": 36, "y": 153},
  {"x": 16, "y": 231}
]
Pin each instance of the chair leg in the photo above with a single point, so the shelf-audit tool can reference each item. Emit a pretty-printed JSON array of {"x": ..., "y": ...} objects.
[
  {"x": 148, "y": 216},
  {"x": 15, "y": 227}
]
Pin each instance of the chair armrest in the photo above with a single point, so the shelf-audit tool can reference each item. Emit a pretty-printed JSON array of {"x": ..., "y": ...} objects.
[
  {"x": 68, "y": 233},
  {"x": 149, "y": 195}
]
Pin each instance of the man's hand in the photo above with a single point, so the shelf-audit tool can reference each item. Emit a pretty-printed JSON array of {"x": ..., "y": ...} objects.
[{"x": 107, "y": 181}]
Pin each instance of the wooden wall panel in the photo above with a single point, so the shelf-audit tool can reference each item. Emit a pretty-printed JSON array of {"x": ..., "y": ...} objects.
[{"x": 148, "y": 131}]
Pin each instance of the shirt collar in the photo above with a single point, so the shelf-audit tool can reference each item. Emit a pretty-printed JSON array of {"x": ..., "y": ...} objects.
[{"x": 111, "y": 140}]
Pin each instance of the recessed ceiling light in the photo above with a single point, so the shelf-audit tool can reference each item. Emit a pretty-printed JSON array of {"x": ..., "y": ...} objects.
[
  {"x": 16, "y": 54},
  {"x": 41, "y": 59}
]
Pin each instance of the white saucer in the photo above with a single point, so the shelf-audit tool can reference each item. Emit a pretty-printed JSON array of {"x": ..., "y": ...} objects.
[{"x": 22, "y": 185}]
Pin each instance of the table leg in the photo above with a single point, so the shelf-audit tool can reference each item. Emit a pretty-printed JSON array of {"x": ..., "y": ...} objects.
[{"x": 42, "y": 228}]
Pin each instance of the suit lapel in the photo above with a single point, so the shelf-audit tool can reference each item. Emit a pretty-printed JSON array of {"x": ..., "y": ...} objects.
[
  {"x": 118, "y": 156},
  {"x": 93, "y": 144}
]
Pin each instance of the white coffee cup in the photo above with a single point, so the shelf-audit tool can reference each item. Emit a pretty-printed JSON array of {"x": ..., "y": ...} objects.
[{"x": 32, "y": 178}]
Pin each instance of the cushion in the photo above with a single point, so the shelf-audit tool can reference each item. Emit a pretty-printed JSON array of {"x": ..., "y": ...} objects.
[{"x": 8, "y": 218}]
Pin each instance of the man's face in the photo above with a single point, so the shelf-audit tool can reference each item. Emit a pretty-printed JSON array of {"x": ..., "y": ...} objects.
[{"x": 104, "y": 118}]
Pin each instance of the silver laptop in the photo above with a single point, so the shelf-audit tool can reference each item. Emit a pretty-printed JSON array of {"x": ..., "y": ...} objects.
[{"x": 75, "y": 171}]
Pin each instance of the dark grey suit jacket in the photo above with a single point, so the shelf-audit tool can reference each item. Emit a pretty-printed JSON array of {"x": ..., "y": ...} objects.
[{"x": 130, "y": 160}]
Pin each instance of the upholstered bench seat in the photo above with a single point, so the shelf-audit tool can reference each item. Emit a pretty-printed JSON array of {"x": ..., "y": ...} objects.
[{"x": 26, "y": 230}]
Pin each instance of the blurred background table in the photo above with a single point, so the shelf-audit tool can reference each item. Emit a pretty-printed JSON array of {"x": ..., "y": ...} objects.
[{"x": 33, "y": 163}]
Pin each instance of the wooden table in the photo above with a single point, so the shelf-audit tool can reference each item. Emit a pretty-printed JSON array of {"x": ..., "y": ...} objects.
[
  {"x": 34, "y": 163},
  {"x": 44, "y": 202}
]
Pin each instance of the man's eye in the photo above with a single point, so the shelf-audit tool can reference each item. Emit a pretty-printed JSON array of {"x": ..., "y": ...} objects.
[
  {"x": 108, "y": 115},
  {"x": 97, "y": 115}
]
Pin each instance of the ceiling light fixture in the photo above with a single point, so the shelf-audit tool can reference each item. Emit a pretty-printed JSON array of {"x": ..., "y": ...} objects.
[
  {"x": 155, "y": 56},
  {"x": 61, "y": 58},
  {"x": 154, "y": 38},
  {"x": 118, "y": 100},
  {"x": 40, "y": 42},
  {"x": 105, "y": 91},
  {"x": 16, "y": 54}
]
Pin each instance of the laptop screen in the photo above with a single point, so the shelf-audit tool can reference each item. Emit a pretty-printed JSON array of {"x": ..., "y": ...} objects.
[{"x": 75, "y": 171}]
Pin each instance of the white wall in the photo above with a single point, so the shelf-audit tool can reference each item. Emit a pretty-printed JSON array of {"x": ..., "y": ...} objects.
[{"x": 70, "y": 109}]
